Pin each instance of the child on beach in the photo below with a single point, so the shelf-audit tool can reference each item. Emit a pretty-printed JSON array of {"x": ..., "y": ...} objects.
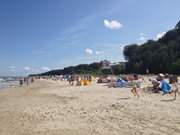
[
  {"x": 175, "y": 88},
  {"x": 134, "y": 89},
  {"x": 135, "y": 86}
]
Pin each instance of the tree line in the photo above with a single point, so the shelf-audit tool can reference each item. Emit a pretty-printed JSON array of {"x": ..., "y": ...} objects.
[
  {"x": 95, "y": 69},
  {"x": 161, "y": 56}
]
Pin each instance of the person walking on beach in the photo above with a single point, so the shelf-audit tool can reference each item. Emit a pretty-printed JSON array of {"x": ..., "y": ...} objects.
[
  {"x": 174, "y": 86},
  {"x": 135, "y": 86},
  {"x": 26, "y": 80},
  {"x": 175, "y": 89},
  {"x": 20, "y": 82},
  {"x": 32, "y": 79}
]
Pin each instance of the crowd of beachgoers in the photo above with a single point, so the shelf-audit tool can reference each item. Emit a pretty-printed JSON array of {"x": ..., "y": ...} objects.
[
  {"x": 83, "y": 104},
  {"x": 161, "y": 83}
]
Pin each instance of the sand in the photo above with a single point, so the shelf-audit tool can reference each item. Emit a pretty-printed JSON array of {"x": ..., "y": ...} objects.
[{"x": 55, "y": 108}]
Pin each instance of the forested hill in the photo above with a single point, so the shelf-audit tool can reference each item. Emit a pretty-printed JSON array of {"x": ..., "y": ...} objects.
[
  {"x": 95, "y": 68},
  {"x": 161, "y": 56}
]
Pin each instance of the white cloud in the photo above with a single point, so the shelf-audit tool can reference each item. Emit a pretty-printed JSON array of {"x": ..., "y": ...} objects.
[
  {"x": 45, "y": 69},
  {"x": 36, "y": 70},
  {"x": 142, "y": 37},
  {"x": 113, "y": 24},
  {"x": 27, "y": 68},
  {"x": 89, "y": 51},
  {"x": 99, "y": 52},
  {"x": 160, "y": 35},
  {"x": 122, "y": 48}
]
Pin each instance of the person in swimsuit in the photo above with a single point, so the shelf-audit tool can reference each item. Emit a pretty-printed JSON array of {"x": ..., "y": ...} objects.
[{"x": 135, "y": 86}]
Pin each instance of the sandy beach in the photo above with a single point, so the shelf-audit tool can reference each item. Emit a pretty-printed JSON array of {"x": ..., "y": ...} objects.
[{"x": 54, "y": 108}]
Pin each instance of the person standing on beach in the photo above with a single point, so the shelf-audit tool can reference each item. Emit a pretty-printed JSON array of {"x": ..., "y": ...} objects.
[
  {"x": 20, "y": 82},
  {"x": 135, "y": 86},
  {"x": 32, "y": 79},
  {"x": 174, "y": 85},
  {"x": 26, "y": 80}
]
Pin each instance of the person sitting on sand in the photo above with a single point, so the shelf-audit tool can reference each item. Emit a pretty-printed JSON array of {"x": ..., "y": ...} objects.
[
  {"x": 71, "y": 80},
  {"x": 155, "y": 87},
  {"x": 164, "y": 86}
]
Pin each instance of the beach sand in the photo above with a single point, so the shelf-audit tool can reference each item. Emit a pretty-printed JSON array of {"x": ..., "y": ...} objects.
[{"x": 54, "y": 108}]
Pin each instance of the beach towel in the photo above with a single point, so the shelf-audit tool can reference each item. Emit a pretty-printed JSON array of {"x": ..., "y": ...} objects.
[{"x": 121, "y": 83}]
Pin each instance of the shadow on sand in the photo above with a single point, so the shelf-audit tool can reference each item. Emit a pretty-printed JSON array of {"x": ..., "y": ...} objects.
[
  {"x": 169, "y": 100},
  {"x": 125, "y": 98}
]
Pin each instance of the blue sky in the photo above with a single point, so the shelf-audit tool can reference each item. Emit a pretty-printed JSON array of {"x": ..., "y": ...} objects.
[{"x": 39, "y": 35}]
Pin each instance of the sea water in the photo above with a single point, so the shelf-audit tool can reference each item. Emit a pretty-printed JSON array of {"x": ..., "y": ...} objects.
[{"x": 6, "y": 82}]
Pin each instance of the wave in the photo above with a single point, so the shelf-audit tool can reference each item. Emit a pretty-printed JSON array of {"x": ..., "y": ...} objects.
[{"x": 7, "y": 82}]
